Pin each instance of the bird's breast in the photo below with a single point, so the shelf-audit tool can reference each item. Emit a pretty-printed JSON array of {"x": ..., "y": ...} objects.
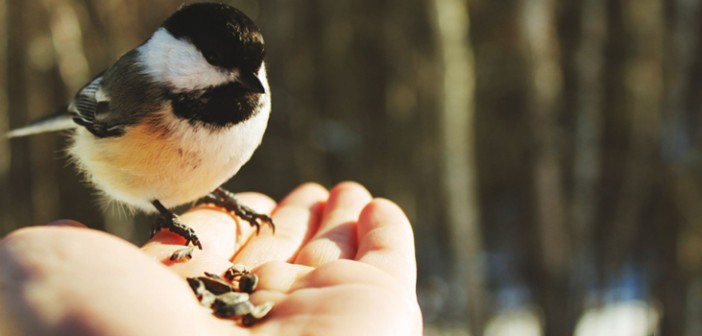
[{"x": 166, "y": 158}]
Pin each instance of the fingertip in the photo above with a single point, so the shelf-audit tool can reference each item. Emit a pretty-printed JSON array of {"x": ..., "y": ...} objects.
[
  {"x": 257, "y": 201},
  {"x": 47, "y": 231},
  {"x": 306, "y": 194},
  {"x": 348, "y": 196},
  {"x": 67, "y": 223},
  {"x": 382, "y": 208},
  {"x": 312, "y": 186},
  {"x": 349, "y": 186},
  {"x": 386, "y": 240},
  {"x": 383, "y": 213}
]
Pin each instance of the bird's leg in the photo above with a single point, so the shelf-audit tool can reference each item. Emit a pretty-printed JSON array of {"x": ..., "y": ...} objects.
[
  {"x": 226, "y": 199},
  {"x": 171, "y": 222}
]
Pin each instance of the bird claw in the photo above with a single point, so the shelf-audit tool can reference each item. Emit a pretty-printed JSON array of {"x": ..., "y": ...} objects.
[
  {"x": 226, "y": 199},
  {"x": 173, "y": 223}
]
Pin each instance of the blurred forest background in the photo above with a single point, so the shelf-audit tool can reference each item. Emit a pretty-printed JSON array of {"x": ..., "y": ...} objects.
[{"x": 547, "y": 153}]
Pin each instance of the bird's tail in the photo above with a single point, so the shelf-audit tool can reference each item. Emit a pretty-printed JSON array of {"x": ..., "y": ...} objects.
[{"x": 57, "y": 122}]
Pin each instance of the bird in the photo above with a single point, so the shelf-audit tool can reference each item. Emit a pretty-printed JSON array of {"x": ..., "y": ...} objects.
[{"x": 174, "y": 118}]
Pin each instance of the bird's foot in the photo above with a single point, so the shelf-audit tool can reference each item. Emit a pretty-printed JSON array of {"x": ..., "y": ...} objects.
[
  {"x": 226, "y": 199},
  {"x": 171, "y": 222}
]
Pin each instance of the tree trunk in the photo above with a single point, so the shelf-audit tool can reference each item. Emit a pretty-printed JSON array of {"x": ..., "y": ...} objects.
[
  {"x": 458, "y": 153},
  {"x": 544, "y": 89}
]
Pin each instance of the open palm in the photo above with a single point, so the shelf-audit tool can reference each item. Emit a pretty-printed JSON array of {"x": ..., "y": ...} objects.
[{"x": 340, "y": 263}]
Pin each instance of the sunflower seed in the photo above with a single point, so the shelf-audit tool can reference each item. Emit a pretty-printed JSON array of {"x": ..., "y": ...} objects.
[{"x": 248, "y": 283}]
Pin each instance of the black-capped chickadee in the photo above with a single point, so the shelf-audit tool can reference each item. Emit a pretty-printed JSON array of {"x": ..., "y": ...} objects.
[{"x": 174, "y": 118}]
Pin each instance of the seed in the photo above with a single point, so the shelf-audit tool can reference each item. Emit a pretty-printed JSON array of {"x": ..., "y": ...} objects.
[
  {"x": 236, "y": 271},
  {"x": 230, "y": 299},
  {"x": 248, "y": 320},
  {"x": 216, "y": 284},
  {"x": 196, "y": 285},
  {"x": 234, "y": 310},
  {"x": 182, "y": 254},
  {"x": 262, "y": 310},
  {"x": 203, "y": 295},
  {"x": 256, "y": 314},
  {"x": 248, "y": 283},
  {"x": 207, "y": 299}
]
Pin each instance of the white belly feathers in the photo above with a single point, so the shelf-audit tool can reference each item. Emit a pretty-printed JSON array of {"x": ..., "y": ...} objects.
[{"x": 167, "y": 159}]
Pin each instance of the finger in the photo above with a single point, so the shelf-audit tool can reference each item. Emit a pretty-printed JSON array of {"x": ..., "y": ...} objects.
[
  {"x": 296, "y": 219},
  {"x": 66, "y": 277},
  {"x": 67, "y": 222},
  {"x": 386, "y": 241},
  {"x": 336, "y": 237},
  {"x": 278, "y": 276},
  {"x": 257, "y": 202},
  {"x": 218, "y": 231}
]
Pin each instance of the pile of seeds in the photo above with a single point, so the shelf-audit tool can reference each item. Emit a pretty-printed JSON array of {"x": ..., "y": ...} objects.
[{"x": 229, "y": 298}]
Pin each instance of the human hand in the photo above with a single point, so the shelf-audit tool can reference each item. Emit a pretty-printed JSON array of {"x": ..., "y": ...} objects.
[{"x": 340, "y": 263}]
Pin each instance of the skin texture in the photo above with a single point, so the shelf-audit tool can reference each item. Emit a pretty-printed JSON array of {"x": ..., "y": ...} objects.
[{"x": 340, "y": 263}]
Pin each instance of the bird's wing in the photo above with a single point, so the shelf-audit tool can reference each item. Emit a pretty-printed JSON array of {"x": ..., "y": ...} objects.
[
  {"x": 84, "y": 110},
  {"x": 89, "y": 105},
  {"x": 84, "y": 104},
  {"x": 76, "y": 113}
]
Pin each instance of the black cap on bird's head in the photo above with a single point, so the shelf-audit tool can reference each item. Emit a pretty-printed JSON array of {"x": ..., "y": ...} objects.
[{"x": 226, "y": 37}]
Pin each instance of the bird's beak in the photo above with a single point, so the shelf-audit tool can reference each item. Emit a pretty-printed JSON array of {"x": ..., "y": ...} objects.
[{"x": 250, "y": 81}]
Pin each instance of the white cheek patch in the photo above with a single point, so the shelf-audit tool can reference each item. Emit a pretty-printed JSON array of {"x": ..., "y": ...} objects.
[{"x": 179, "y": 63}]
